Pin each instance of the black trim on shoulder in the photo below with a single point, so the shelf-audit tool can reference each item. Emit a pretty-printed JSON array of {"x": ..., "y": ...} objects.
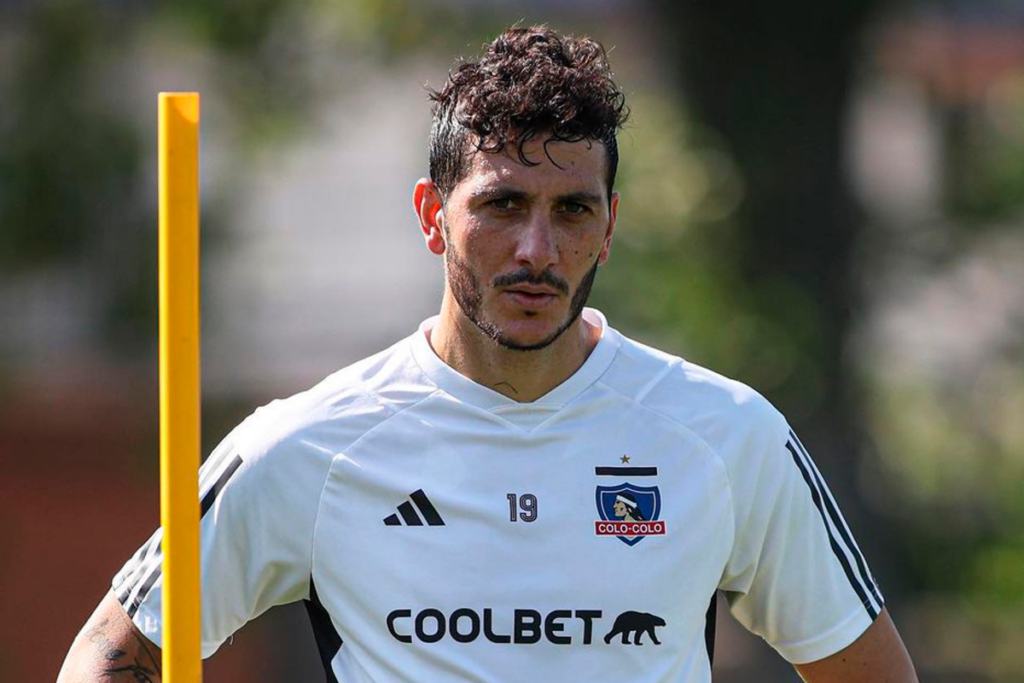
[
  {"x": 328, "y": 640},
  {"x": 206, "y": 502},
  {"x": 836, "y": 549},
  {"x": 837, "y": 521},
  {"x": 129, "y": 580},
  {"x": 218, "y": 486},
  {"x": 147, "y": 585}
]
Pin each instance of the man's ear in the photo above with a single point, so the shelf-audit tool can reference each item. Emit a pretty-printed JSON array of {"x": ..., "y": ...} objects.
[
  {"x": 426, "y": 201},
  {"x": 613, "y": 214}
]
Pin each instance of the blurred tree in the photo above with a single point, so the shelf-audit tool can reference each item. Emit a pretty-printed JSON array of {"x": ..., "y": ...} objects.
[
  {"x": 769, "y": 291},
  {"x": 73, "y": 191},
  {"x": 70, "y": 163},
  {"x": 774, "y": 81}
]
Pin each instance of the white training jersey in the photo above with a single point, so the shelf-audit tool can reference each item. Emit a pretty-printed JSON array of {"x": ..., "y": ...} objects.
[{"x": 440, "y": 531}]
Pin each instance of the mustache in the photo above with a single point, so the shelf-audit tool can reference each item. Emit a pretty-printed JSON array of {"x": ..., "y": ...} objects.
[{"x": 526, "y": 276}]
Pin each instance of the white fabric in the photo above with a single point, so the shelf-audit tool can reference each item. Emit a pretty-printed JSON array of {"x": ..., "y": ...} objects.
[{"x": 321, "y": 472}]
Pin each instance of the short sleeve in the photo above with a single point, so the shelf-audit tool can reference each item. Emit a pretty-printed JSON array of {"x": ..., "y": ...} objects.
[
  {"x": 795, "y": 575},
  {"x": 258, "y": 508}
]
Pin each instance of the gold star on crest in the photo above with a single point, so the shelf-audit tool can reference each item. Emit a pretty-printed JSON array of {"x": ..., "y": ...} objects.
[{"x": 624, "y": 459}]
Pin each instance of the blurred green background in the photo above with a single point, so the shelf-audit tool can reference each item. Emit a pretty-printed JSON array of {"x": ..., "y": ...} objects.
[{"x": 824, "y": 200}]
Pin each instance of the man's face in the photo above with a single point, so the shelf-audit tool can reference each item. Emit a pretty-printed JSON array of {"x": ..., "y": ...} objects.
[{"x": 522, "y": 243}]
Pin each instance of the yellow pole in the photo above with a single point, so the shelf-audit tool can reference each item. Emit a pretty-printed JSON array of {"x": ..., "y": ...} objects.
[{"x": 179, "y": 384}]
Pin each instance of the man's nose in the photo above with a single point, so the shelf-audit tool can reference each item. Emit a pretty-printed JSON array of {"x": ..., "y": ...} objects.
[{"x": 537, "y": 247}]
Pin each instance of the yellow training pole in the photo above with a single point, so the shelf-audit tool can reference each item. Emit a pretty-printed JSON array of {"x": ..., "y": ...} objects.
[{"x": 179, "y": 384}]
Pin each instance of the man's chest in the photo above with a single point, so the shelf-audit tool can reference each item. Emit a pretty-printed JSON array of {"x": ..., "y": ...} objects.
[{"x": 594, "y": 534}]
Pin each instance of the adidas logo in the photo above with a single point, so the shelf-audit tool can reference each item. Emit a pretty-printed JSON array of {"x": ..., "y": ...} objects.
[{"x": 408, "y": 513}]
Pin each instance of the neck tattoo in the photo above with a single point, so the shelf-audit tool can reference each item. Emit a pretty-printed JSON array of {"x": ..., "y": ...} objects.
[{"x": 503, "y": 383}]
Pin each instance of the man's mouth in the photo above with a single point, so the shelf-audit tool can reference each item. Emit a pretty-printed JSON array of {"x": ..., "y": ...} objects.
[{"x": 531, "y": 297}]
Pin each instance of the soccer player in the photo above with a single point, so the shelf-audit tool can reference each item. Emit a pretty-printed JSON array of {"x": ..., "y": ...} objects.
[{"x": 464, "y": 505}]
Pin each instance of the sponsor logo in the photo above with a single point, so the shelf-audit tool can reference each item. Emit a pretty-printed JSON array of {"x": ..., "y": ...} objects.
[
  {"x": 629, "y": 512},
  {"x": 527, "y": 626},
  {"x": 407, "y": 513}
]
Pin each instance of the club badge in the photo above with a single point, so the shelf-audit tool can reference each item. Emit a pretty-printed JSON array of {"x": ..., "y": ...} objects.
[{"x": 629, "y": 512}]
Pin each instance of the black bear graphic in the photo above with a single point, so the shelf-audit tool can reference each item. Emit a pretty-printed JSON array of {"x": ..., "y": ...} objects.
[{"x": 635, "y": 622}]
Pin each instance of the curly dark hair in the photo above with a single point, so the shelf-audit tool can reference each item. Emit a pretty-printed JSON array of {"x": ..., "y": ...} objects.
[{"x": 530, "y": 81}]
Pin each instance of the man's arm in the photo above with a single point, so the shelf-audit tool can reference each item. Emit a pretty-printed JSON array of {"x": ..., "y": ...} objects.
[
  {"x": 878, "y": 656},
  {"x": 111, "y": 648}
]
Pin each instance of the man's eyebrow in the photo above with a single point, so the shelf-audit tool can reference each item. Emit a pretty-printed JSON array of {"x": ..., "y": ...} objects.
[
  {"x": 502, "y": 191},
  {"x": 580, "y": 198}
]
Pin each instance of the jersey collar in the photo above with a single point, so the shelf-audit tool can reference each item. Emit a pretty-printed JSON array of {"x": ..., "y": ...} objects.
[{"x": 465, "y": 389}]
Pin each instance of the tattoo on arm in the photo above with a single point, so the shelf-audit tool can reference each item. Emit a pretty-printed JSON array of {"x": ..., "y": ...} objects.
[
  {"x": 106, "y": 648},
  {"x": 144, "y": 668},
  {"x": 137, "y": 671},
  {"x": 149, "y": 653}
]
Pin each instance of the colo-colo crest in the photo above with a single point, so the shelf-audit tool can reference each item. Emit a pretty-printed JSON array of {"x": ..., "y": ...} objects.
[{"x": 629, "y": 512}]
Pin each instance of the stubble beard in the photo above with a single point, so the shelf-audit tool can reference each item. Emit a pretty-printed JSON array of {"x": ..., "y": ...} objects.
[{"x": 468, "y": 293}]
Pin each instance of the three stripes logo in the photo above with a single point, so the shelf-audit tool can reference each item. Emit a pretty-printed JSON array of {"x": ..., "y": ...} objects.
[{"x": 407, "y": 513}]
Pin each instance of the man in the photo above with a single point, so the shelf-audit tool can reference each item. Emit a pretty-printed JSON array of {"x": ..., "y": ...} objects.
[
  {"x": 434, "y": 505},
  {"x": 626, "y": 508}
]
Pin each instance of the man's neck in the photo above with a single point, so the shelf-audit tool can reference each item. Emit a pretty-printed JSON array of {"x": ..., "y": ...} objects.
[{"x": 521, "y": 375}]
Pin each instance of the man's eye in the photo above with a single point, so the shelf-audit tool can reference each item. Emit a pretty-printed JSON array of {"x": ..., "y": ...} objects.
[
  {"x": 573, "y": 208},
  {"x": 503, "y": 203}
]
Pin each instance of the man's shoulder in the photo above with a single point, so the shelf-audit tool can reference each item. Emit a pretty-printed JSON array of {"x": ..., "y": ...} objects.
[
  {"x": 340, "y": 408},
  {"x": 717, "y": 409}
]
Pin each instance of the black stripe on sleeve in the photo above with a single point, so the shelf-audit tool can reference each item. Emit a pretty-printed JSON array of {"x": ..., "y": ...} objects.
[
  {"x": 125, "y": 584},
  {"x": 141, "y": 553},
  {"x": 212, "y": 464},
  {"x": 142, "y": 570},
  {"x": 427, "y": 508},
  {"x": 154, "y": 574},
  {"x": 840, "y": 555},
  {"x": 328, "y": 640},
  {"x": 205, "y": 504},
  {"x": 839, "y": 524},
  {"x": 122, "y": 595},
  {"x": 218, "y": 486}
]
